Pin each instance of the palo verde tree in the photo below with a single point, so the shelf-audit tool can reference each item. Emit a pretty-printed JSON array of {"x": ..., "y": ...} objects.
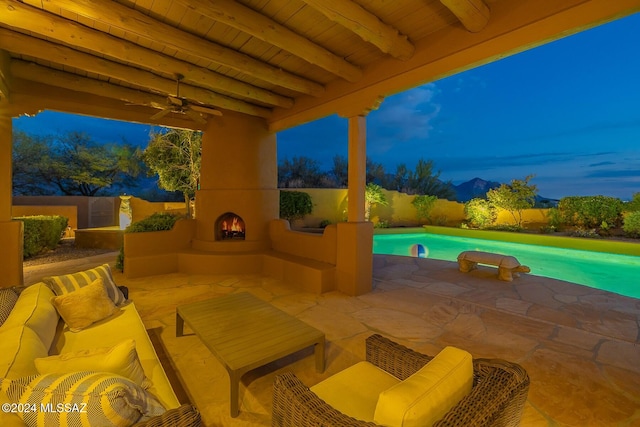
[
  {"x": 175, "y": 156},
  {"x": 72, "y": 164},
  {"x": 514, "y": 197}
]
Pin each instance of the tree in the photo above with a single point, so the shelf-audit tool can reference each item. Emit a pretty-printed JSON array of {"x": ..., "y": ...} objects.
[
  {"x": 514, "y": 197},
  {"x": 375, "y": 172},
  {"x": 300, "y": 172},
  {"x": 175, "y": 156},
  {"x": 399, "y": 180},
  {"x": 373, "y": 195},
  {"x": 425, "y": 181},
  {"x": 73, "y": 164},
  {"x": 340, "y": 171},
  {"x": 424, "y": 205}
]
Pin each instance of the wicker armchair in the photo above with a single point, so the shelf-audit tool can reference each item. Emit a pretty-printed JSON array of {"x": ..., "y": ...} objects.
[
  {"x": 185, "y": 415},
  {"x": 497, "y": 398}
]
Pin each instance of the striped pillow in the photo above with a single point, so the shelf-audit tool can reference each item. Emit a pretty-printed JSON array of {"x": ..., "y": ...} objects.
[
  {"x": 8, "y": 298},
  {"x": 81, "y": 399},
  {"x": 61, "y": 285}
]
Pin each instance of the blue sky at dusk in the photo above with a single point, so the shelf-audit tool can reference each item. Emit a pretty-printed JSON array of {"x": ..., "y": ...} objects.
[{"x": 567, "y": 112}]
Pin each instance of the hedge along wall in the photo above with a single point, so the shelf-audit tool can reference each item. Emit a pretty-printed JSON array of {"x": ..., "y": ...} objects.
[
  {"x": 331, "y": 203},
  {"x": 69, "y": 212}
]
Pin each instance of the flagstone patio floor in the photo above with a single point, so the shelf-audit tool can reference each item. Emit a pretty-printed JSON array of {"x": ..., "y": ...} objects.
[{"x": 580, "y": 346}]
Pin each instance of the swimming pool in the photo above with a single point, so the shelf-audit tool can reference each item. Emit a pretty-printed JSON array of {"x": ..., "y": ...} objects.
[{"x": 600, "y": 270}]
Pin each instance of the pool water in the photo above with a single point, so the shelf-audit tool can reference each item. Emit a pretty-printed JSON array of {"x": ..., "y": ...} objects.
[{"x": 610, "y": 272}]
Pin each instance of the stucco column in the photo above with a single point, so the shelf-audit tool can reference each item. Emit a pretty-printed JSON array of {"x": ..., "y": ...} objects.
[
  {"x": 354, "y": 268},
  {"x": 357, "y": 168},
  {"x": 10, "y": 231}
]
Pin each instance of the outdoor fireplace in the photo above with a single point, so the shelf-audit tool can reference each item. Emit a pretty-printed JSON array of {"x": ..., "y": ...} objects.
[{"x": 229, "y": 226}]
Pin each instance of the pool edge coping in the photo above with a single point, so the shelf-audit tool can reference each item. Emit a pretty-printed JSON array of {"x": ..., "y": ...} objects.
[{"x": 593, "y": 245}]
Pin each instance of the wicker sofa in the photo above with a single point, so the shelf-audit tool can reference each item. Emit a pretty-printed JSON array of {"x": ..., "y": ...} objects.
[{"x": 497, "y": 396}]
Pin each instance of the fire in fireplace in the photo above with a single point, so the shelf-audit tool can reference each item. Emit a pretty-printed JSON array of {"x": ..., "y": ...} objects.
[{"x": 229, "y": 226}]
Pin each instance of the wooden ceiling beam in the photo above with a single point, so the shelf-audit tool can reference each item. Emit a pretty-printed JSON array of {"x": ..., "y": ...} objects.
[
  {"x": 20, "y": 43},
  {"x": 135, "y": 22},
  {"x": 5, "y": 75},
  {"x": 31, "y": 97},
  {"x": 79, "y": 36},
  {"x": 248, "y": 21},
  {"x": 365, "y": 24},
  {"x": 49, "y": 76},
  {"x": 473, "y": 14}
]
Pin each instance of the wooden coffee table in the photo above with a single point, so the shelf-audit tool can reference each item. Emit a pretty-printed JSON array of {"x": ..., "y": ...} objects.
[{"x": 243, "y": 333}]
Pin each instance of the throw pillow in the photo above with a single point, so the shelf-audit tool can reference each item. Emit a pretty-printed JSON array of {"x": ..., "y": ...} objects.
[
  {"x": 121, "y": 359},
  {"x": 72, "y": 282},
  {"x": 81, "y": 398},
  {"x": 426, "y": 396},
  {"x": 85, "y": 306},
  {"x": 8, "y": 298}
]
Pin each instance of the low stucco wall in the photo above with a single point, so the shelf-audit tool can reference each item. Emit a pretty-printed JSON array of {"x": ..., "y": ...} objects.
[
  {"x": 142, "y": 209},
  {"x": 331, "y": 204},
  {"x": 320, "y": 247},
  {"x": 156, "y": 252},
  {"x": 12, "y": 233}
]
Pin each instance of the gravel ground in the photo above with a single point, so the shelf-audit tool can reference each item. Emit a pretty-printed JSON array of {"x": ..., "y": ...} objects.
[{"x": 66, "y": 250}]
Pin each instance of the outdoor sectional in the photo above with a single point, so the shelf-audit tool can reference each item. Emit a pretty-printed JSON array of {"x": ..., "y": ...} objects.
[{"x": 110, "y": 363}]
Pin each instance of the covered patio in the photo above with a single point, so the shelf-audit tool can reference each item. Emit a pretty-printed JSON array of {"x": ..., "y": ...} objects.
[
  {"x": 242, "y": 71},
  {"x": 580, "y": 346}
]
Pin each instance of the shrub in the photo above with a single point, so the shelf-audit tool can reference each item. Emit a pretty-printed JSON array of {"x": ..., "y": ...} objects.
[
  {"x": 42, "y": 233},
  {"x": 590, "y": 211},
  {"x": 373, "y": 195},
  {"x": 424, "y": 205},
  {"x": 295, "y": 205},
  {"x": 634, "y": 204},
  {"x": 555, "y": 219},
  {"x": 159, "y": 221},
  {"x": 324, "y": 223},
  {"x": 480, "y": 213},
  {"x": 507, "y": 227},
  {"x": 631, "y": 225}
]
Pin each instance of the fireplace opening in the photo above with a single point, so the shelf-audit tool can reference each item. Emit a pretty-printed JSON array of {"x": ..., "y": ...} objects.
[{"x": 229, "y": 226}]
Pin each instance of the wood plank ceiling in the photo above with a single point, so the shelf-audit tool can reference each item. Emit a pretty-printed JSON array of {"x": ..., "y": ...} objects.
[{"x": 267, "y": 58}]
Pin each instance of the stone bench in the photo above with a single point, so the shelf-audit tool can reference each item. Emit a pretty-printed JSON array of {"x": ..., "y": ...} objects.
[{"x": 507, "y": 265}]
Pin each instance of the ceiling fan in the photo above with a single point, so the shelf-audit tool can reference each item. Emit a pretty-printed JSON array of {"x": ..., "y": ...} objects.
[{"x": 177, "y": 104}]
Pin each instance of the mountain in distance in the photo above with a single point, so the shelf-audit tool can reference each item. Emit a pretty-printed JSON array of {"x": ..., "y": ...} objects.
[
  {"x": 478, "y": 187},
  {"x": 475, "y": 188}
]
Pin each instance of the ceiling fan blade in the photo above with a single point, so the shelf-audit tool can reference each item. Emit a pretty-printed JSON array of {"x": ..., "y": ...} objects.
[
  {"x": 175, "y": 101},
  {"x": 195, "y": 116},
  {"x": 205, "y": 110},
  {"x": 161, "y": 114}
]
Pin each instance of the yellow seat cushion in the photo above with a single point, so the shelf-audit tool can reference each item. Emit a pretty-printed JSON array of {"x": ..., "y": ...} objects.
[
  {"x": 355, "y": 390},
  {"x": 121, "y": 359},
  {"x": 426, "y": 396},
  {"x": 110, "y": 332},
  {"x": 34, "y": 310}
]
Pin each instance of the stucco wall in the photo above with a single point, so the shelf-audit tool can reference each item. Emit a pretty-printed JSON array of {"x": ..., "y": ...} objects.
[
  {"x": 331, "y": 204},
  {"x": 70, "y": 212}
]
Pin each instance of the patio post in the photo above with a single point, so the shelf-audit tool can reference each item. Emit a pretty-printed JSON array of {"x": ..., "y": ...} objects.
[
  {"x": 354, "y": 268},
  {"x": 11, "y": 232}
]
